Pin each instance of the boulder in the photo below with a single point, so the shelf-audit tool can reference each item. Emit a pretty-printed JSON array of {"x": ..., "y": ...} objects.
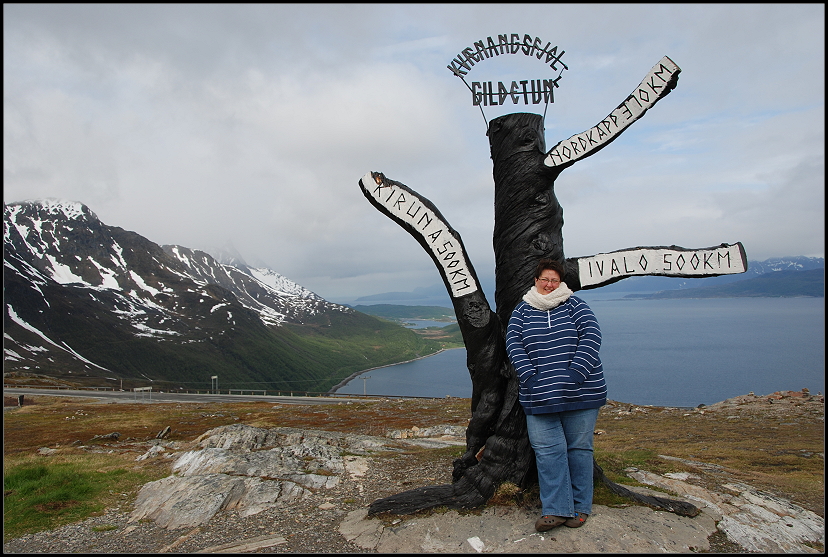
[
  {"x": 184, "y": 502},
  {"x": 108, "y": 437},
  {"x": 757, "y": 521},
  {"x": 250, "y": 469}
]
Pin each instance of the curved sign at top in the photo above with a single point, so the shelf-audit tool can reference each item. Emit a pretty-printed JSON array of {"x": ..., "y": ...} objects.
[{"x": 493, "y": 93}]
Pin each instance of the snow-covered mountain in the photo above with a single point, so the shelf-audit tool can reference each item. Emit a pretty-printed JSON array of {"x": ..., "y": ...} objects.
[
  {"x": 271, "y": 295},
  {"x": 64, "y": 241},
  {"x": 75, "y": 287}
]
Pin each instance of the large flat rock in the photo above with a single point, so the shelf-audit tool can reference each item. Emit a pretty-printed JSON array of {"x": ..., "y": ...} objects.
[{"x": 511, "y": 530}]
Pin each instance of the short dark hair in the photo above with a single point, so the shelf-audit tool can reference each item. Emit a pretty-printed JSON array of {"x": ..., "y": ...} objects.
[{"x": 549, "y": 265}]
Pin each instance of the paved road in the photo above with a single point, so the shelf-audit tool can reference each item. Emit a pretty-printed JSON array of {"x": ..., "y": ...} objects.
[{"x": 129, "y": 396}]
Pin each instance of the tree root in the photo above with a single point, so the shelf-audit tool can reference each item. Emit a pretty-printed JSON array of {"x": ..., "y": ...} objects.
[{"x": 463, "y": 495}]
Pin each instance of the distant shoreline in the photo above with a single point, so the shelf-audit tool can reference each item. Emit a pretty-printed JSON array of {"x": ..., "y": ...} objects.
[{"x": 358, "y": 373}]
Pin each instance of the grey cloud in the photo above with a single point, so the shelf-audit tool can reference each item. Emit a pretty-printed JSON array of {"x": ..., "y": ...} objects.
[{"x": 198, "y": 124}]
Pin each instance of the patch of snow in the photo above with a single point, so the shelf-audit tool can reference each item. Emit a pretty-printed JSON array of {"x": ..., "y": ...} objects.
[
  {"x": 150, "y": 332},
  {"x": 14, "y": 317},
  {"x": 143, "y": 285},
  {"x": 63, "y": 274},
  {"x": 108, "y": 279},
  {"x": 119, "y": 261},
  {"x": 280, "y": 284}
]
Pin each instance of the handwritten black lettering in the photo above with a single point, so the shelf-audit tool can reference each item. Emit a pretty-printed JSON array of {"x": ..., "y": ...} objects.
[
  {"x": 643, "y": 95},
  {"x": 409, "y": 213},
  {"x": 400, "y": 200},
  {"x": 653, "y": 86},
  {"x": 405, "y": 205},
  {"x": 513, "y": 92},
  {"x": 707, "y": 257},
  {"x": 589, "y": 137},
  {"x": 574, "y": 146},
  {"x": 515, "y": 43},
  {"x": 465, "y": 284},
  {"x": 446, "y": 246},
  {"x": 661, "y": 69}
]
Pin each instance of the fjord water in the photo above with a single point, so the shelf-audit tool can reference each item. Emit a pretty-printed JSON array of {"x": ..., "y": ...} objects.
[{"x": 665, "y": 352}]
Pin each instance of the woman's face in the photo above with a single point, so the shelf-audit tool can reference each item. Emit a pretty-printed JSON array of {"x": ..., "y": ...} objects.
[{"x": 547, "y": 282}]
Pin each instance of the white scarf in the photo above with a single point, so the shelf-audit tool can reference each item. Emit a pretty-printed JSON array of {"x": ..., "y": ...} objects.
[{"x": 547, "y": 301}]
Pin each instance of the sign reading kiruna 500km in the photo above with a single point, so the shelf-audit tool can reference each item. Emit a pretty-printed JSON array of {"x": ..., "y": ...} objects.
[{"x": 425, "y": 223}]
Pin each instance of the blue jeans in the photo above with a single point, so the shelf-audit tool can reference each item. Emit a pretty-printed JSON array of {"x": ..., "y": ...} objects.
[{"x": 563, "y": 451}]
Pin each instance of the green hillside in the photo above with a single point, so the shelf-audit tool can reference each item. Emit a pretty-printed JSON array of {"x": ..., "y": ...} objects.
[
  {"x": 313, "y": 356},
  {"x": 342, "y": 343},
  {"x": 448, "y": 336},
  {"x": 310, "y": 357}
]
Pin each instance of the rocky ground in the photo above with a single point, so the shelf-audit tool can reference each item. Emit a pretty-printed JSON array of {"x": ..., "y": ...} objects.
[
  {"x": 308, "y": 525},
  {"x": 330, "y": 519}
]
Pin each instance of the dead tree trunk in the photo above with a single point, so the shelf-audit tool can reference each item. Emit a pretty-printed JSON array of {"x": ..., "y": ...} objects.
[
  {"x": 528, "y": 227},
  {"x": 528, "y": 218}
]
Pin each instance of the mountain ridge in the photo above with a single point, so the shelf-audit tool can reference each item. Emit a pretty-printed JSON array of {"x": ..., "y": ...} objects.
[
  {"x": 775, "y": 284},
  {"x": 87, "y": 301}
]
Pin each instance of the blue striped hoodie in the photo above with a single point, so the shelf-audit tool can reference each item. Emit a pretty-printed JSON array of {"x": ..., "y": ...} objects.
[{"x": 555, "y": 354}]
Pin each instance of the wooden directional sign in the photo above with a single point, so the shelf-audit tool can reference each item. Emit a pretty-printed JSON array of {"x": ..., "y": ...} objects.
[
  {"x": 656, "y": 85},
  {"x": 673, "y": 261},
  {"x": 422, "y": 220},
  {"x": 539, "y": 88}
]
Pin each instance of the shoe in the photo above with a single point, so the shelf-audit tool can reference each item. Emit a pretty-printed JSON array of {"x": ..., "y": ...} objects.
[
  {"x": 548, "y": 522},
  {"x": 576, "y": 521}
]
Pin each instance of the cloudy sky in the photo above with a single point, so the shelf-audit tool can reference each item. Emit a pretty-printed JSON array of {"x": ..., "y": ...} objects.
[{"x": 203, "y": 125}]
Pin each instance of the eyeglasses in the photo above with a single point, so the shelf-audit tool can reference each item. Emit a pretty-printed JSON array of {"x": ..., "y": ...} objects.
[{"x": 549, "y": 281}]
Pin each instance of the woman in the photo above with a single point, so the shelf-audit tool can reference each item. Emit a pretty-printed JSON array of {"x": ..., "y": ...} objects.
[{"x": 553, "y": 340}]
